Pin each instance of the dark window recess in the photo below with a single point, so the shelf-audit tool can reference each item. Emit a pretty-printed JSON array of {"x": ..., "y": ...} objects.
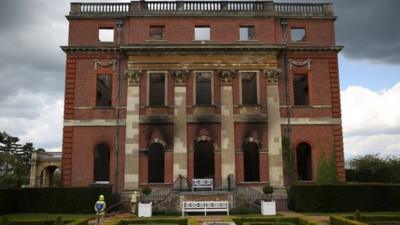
[
  {"x": 157, "y": 89},
  {"x": 249, "y": 88},
  {"x": 203, "y": 89},
  {"x": 156, "y": 163},
  {"x": 298, "y": 34},
  {"x": 103, "y": 91},
  {"x": 300, "y": 86},
  {"x": 203, "y": 159},
  {"x": 101, "y": 163},
  {"x": 251, "y": 162},
  {"x": 247, "y": 33},
  {"x": 157, "y": 32},
  {"x": 304, "y": 168}
]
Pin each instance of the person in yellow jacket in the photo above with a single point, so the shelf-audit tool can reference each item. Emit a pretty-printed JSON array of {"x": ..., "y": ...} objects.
[
  {"x": 100, "y": 207},
  {"x": 134, "y": 199}
]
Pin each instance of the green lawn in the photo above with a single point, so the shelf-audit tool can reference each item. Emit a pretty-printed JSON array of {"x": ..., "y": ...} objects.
[
  {"x": 397, "y": 213},
  {"x": 45, "y": 216}
]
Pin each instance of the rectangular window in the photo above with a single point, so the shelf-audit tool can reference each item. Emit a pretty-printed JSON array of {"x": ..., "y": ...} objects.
[
  {"x": 157, "y": 32},
  {"x": 247, "y": 33},
  {"x": 103, "y": 91},
  {"x": 203, "y": 88},
  {"x": 106, "y": 35},
  {"x": 202, "y": 33},
  {"x": 249, "y": 88},
  {"x": 300, "y": 89},
  {"x": 298, "y": 34},
  {"x": 156, "y": 89}
]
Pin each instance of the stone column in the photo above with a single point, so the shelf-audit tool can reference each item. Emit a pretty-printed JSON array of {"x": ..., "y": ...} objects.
[
  {"x": 132, "y": 131},
  {"x": 276, "y": 178},
  {"x": 180, "y": 124},
  {"x": 33, "y": 173},
  {"x": 227, "y": 127}
]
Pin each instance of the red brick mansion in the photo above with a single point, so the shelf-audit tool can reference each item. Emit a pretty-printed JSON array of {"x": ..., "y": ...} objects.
[{"x": 155, "y": 91}]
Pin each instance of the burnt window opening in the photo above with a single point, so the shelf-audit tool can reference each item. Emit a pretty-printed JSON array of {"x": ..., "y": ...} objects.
[
  {"x": 304, "y": 163},
  {"x": 157, "y": 89},
  {"x": 202, "y": 33},
  {"x": 156, "y": 163},
  {"x": 251, "y": 162},
  {"x": 103, "y": 91},
  {"x": 101, "y": 163},
  {"x": 298, "y": 34},
  {"x": 249, "y": 88},
  {"x": 300, "y": 89},
  {"x": 203, "y": 159},
  {"x": 157, "y": 32},
  {"x": 247, "y": 33},
  {"x": 203, "y": 89},
  {"x": 106, "y": 35}
]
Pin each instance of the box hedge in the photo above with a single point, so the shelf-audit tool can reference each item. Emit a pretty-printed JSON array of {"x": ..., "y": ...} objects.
[
  {"x": 52, "y": 200},
  {"x": 345, "y": 197}
]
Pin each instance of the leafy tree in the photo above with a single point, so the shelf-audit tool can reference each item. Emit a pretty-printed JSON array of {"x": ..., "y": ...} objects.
[
  {"x": 373, "y": 168},
  {"x": 15, "y": 161}
]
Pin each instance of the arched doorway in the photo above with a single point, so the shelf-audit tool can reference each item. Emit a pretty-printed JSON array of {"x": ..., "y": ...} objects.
[
  {"x": 304, "y": 163},
  {"x": 156, "y": 163},
  {"x": 251, "y": 161},
  {"x": 50, "y": 177},
  {"x": 203, "y": 159},
  {"x": 101, "y": 163}
]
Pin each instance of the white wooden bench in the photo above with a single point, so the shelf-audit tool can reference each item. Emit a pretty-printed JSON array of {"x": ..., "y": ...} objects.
[
  {"x": 202, "y": 183},
  {"x": 205, "y": 206}
]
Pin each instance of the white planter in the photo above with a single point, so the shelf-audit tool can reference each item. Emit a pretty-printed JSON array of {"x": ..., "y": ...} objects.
[
  {"x": 268, "y": 208},
  {"x": 144, "y": 210}
]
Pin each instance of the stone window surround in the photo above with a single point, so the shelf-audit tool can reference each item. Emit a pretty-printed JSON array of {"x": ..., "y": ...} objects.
[
  {"x": 309, "y": 83},
  {"x": 212, "y": 86},
  {"x": 165, "y": 87},
  {"x": 240, "y": 86}
]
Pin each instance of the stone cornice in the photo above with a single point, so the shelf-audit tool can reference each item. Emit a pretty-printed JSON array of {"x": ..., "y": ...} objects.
[{"x": 200, "y": 48}]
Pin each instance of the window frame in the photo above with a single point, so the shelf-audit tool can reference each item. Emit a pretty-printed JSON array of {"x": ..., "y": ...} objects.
[
  {"x": 307, "y": 75},
  {"x": 201, "y": 26},
  {"x": 195, "y": 87},
  {"x": 157, "y": 26},
  {"x": 248, "y": 26},
  {"x": 111, "y": 91},
  {"x": 165, "y": 88},
  {"x": 105, "y": 28},
  {"x": 257, "y": 86},
  {"x": 298, "y": 28}
]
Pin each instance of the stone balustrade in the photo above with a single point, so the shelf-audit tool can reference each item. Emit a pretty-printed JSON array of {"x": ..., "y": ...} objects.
[{"x": 201, "y": 7}]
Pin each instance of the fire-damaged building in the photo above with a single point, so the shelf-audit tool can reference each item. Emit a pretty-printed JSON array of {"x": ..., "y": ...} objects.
[{"x": 236, "y": 92}]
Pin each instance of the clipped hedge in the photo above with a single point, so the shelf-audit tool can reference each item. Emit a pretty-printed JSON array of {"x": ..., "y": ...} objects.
[
  {"x": 52, "y": 200},
  {"x": 345, "y": 197},
  {"x": 339, "y": 220},
  {"x": 6, "y": 201},
  {"x": 265, "y": 220}
]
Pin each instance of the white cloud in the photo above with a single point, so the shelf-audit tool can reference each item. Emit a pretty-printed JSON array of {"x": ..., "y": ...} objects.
[
  {"x": 371, "y": 121},
  {"x": 34, "y": 117}
]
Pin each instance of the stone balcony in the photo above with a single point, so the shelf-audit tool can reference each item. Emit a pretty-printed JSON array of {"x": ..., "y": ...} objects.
[{"x": 201, "y": 8}]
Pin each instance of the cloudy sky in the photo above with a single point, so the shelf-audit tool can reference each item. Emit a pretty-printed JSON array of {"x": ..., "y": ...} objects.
[{"x": 32, "y": 72}]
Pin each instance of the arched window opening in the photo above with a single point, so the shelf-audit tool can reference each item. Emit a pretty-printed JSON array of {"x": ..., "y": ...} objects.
[
  {"x": 251, "y": 161},
  {"x": 101, "y": 163},
  {"x": 156, "y": 163},
  {"x": 203, "y": 159},
  {"x": 304, "y": 163}
]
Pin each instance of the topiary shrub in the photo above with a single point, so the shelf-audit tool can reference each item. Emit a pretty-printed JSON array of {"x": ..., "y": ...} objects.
[
  {"x": 268, "y": 190},
  {"x": 146, "y": 191}
]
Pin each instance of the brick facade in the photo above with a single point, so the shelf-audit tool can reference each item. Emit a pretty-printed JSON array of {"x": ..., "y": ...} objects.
[{"x": 133, "y": 53}]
